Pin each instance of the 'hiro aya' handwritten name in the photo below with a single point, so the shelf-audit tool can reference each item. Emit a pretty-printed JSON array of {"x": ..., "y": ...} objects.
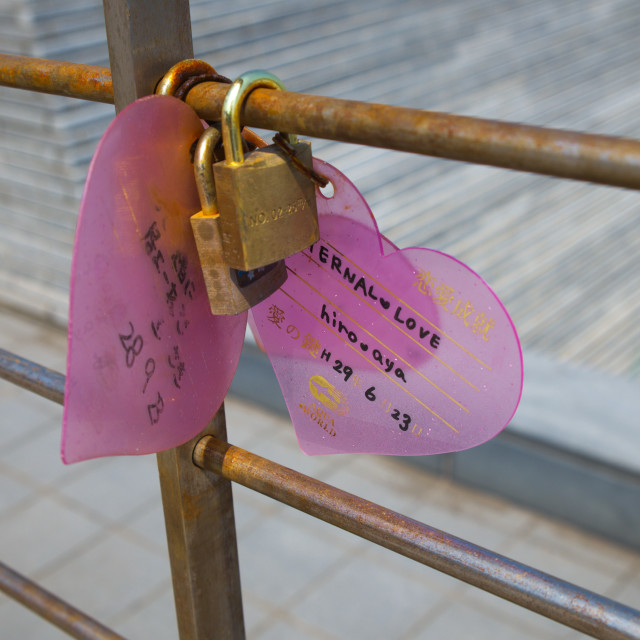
[{"x": 369, "y": 289}]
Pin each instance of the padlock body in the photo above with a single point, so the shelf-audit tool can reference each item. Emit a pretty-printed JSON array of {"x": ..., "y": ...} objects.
[
  {"x": 267, "y": 207},
  {"x": 230, "y": 291}
]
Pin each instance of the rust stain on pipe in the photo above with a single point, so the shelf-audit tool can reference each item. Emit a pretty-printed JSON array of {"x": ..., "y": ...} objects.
[{"x": 60, "y": 78}]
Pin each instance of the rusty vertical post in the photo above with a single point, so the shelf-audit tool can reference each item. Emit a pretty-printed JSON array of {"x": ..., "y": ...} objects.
[
  {"x": 198, "y": 512},
  {"x": 145, "y": 38}
]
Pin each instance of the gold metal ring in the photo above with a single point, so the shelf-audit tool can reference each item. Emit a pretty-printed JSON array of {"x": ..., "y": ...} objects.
[{"x": 180, "y": 72}]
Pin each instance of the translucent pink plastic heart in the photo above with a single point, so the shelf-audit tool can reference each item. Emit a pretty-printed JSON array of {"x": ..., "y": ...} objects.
[
  {"x": 379, "y": 350},
  {"x": 148, "y": 365}
]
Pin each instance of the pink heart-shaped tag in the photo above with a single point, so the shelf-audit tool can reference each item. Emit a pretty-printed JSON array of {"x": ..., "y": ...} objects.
[
  {"x": 148, "y": 365},
  {"x": 387, "y": 351}
]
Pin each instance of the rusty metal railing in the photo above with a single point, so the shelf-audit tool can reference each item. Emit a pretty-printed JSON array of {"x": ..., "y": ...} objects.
[
  {"x": 554, "y": 152},
  {"x": 556, "y": 599}
]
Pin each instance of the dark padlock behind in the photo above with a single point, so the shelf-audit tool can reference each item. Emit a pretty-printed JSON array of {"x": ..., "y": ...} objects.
[{"x": 267, "y": 206}]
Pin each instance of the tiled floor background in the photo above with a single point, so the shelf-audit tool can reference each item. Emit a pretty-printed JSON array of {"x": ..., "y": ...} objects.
[{"x": 93, "y": 533}]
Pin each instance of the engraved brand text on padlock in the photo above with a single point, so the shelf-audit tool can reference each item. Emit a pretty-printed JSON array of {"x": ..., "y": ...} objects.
[
  {"x": 267, "y": 206},
  {"x": 230, "y": 291}
]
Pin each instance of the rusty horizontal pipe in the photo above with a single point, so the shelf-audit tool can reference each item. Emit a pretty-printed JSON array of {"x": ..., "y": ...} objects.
[
  {"x": 555, "y": 152},
  {"x": 53, "y": 609},
  {"x": 561, "y": 601},
  {"x": 32, "y": 376},
  {"x": 61, "y": 78}
]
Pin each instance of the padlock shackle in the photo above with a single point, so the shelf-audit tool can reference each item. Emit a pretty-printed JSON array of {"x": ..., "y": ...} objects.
[
  {"x": 237, "y": 94},
  {"x": 203, "y": 169}
]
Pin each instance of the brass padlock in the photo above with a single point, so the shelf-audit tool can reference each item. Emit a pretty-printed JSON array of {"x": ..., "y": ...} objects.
[
  {"x": 230, "y": 291},
  {"x": 267, "y": 205}
]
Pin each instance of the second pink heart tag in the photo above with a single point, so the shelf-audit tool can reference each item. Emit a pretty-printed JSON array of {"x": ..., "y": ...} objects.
[{"x": 379, "y": 350}]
